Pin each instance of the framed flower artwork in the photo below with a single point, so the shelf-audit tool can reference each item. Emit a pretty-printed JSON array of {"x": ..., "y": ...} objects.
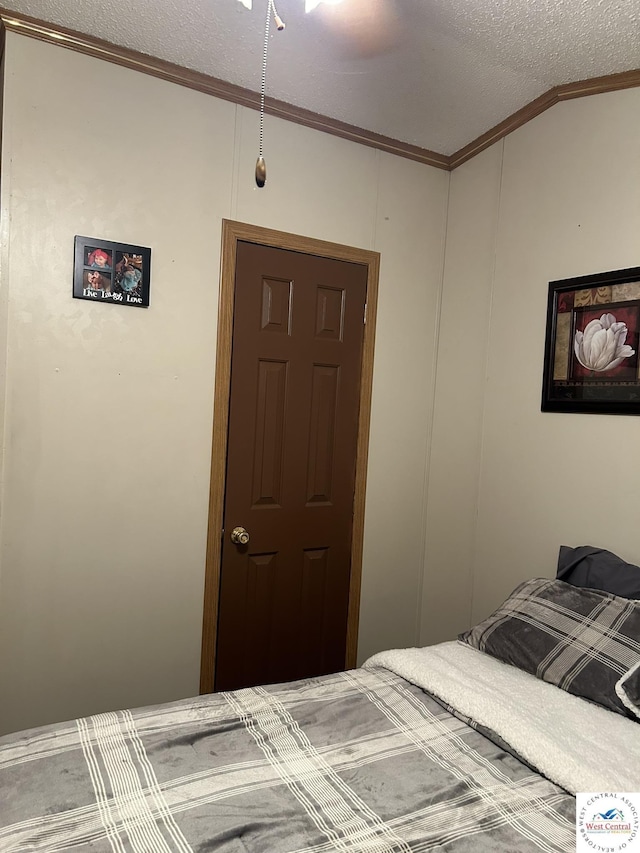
[{"x": 591, "y": 361}]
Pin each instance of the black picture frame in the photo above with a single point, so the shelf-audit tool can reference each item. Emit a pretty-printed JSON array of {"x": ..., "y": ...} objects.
[
  {"x": 594, "y": 370},
  {"x": 111, "y": 273}
]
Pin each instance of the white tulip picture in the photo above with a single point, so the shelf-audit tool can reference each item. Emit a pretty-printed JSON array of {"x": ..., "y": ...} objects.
[{"x": 602, "y": 345}]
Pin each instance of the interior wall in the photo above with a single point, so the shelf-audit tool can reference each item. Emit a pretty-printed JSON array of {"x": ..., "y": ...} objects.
[
  {"x": 567, "y": 205},
  {"x": 454, "y": 465},
  {"x": 4, "y": 301},
  {"x": 109, "y": 410}
]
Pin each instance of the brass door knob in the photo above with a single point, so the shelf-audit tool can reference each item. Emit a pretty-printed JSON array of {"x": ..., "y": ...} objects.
[{"x": 239, "y": 536}]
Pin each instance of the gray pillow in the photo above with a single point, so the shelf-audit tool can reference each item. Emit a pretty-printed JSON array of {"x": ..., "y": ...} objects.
[
  {"x": 595, "y": 568},
  {"x": 628, "y": 689},
  {"x": 581, "y": 640}
]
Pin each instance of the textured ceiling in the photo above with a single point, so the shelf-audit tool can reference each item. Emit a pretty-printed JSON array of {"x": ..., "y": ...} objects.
[{"x": 434, "y": 73}]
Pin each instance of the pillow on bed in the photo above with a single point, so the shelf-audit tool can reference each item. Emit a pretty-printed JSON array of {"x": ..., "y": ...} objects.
[
  {"x": 628, "y": 689},
  {"x": 595, "y": 568},
  {"x": 581, "y": 640}
]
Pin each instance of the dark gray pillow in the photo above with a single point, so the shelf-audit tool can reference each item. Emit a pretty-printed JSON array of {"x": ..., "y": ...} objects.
[
  {"x": 595, "y": 568},
  {"x": 581, "y": 640}
]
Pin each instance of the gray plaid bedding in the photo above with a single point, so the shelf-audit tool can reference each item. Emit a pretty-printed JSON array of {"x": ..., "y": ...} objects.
[{"x": 357, "y": 761}]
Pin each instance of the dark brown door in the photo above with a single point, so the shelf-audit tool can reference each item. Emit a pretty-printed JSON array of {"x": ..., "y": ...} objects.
[{"x": 293, "y": 423}]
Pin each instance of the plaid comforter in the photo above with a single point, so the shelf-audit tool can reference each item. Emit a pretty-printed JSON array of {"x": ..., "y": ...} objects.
[{"x": 357, "y": 761}]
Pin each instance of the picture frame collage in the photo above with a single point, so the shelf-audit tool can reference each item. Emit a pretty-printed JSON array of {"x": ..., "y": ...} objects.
[{"x": 109, "y": 272}]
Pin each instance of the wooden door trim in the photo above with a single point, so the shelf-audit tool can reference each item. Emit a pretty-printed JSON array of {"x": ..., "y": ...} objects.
[{"x": 232, "y": 233}]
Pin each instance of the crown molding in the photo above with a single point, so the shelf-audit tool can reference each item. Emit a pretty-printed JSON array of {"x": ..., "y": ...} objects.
[
  {"x": 579, "y": 89},
  {"x": 96, "y": 47}
]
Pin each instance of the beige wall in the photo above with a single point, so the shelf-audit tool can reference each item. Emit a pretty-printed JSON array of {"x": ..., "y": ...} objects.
[
  {"x": 454, "y": 466},
  {"x": 559, "y": 198},
  {"x": 108, "y": 411}
]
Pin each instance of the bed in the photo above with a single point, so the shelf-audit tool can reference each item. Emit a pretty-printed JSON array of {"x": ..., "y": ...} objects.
[{"x": 445, "y": 748}]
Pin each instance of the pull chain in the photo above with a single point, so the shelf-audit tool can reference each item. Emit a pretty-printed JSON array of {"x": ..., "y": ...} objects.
[{"x": 261, "y": 168}]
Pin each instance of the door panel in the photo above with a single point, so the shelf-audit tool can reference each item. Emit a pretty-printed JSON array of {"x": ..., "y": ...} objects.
[
  {"x": 268, "y": 451},
  {"x": 292, "y": 436}
]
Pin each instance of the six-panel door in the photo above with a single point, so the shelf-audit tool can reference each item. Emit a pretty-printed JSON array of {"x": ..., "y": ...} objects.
[{"x": 293, "y": 423}]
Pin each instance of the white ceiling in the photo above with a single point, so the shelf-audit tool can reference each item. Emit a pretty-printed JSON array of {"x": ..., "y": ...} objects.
[{"x": 434, "y": 73}]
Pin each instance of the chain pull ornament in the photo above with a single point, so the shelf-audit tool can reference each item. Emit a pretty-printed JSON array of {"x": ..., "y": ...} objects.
[{"x": 261, "y": 166}]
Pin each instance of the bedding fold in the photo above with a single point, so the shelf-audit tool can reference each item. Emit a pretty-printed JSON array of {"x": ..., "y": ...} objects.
[{"x": 577, "y": 745}]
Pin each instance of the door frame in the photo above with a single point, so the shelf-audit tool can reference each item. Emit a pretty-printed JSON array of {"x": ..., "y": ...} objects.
[{"x": 232, "y": 233}]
